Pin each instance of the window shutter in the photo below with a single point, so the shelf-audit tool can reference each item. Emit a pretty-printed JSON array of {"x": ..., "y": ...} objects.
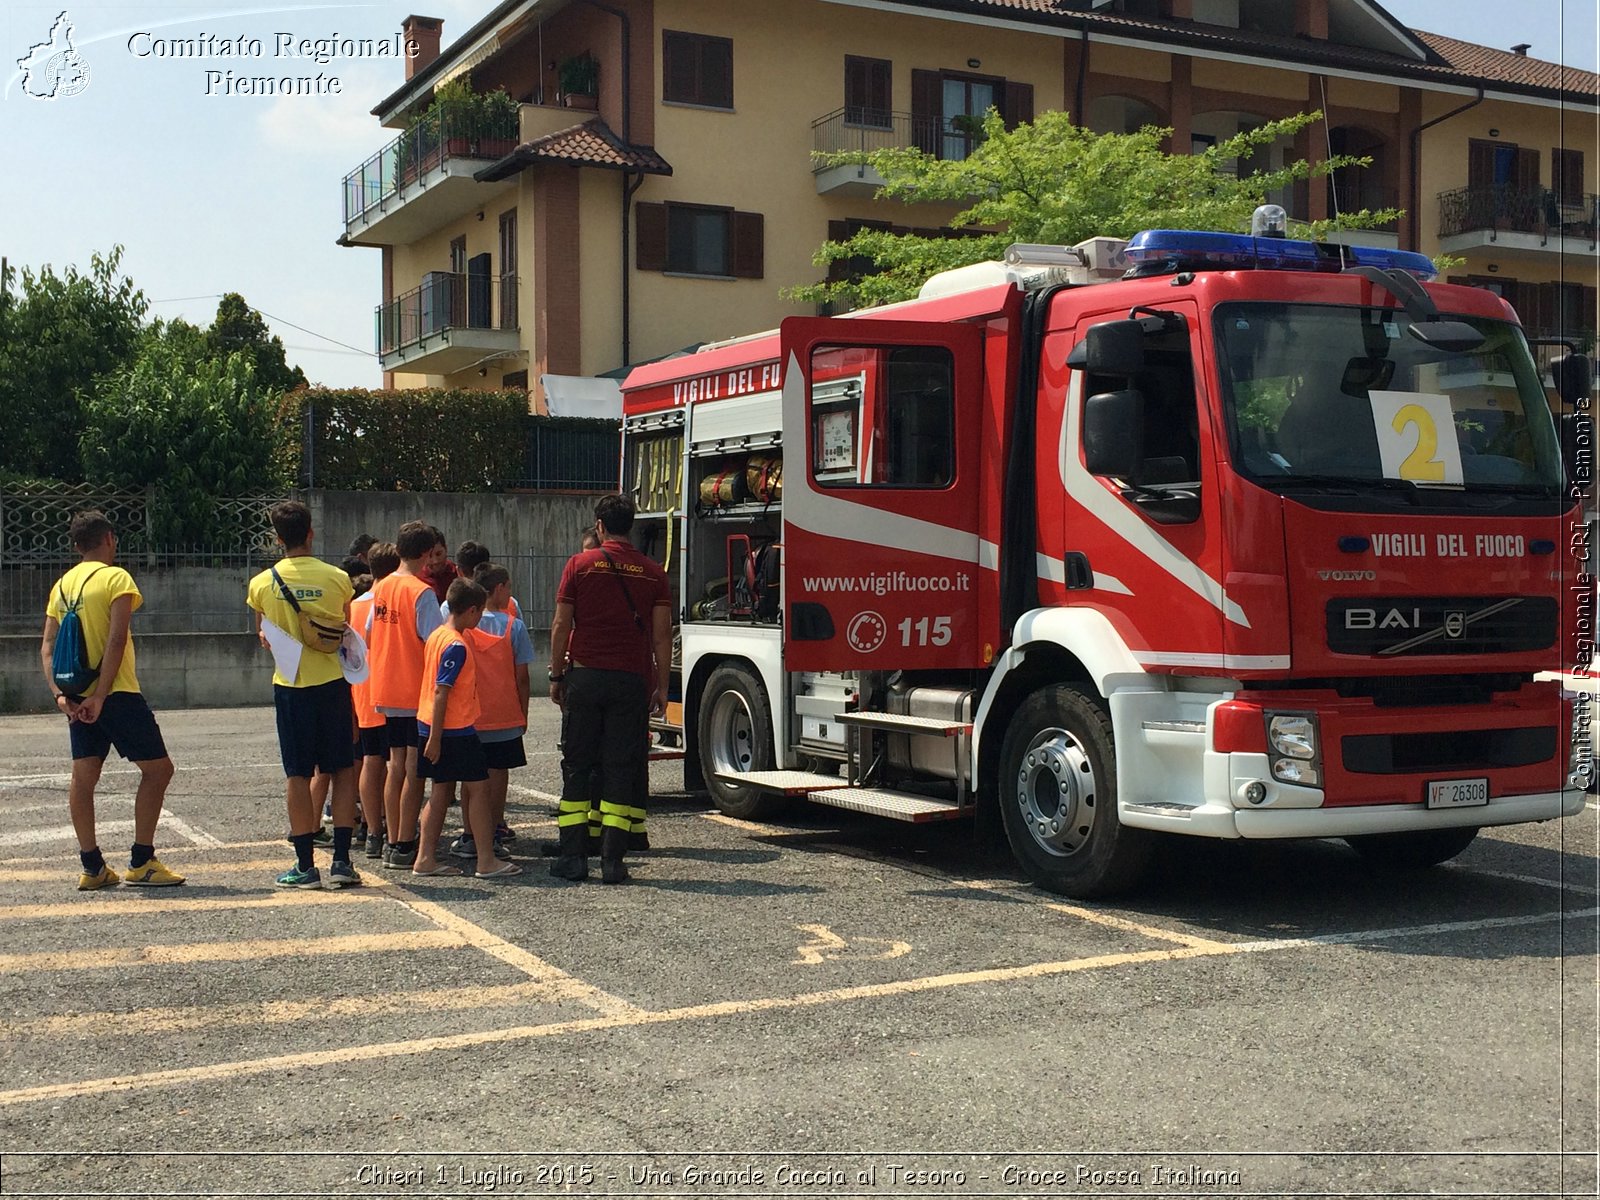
[
  {"x": 749, "y": 246},
  {"x": 927, "y": 110},
  {"x": 1566, "y": 175},
  {"x": 1480, "y": 164},
  {"x": 1018, "y": 103},
  {"x": 1527, "y": 177},
  {"x": 650, "y": 227},
  {"x": 839, "y": 268}
]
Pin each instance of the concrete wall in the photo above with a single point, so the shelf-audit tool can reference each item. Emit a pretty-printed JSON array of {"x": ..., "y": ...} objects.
[
  {"x": 540, "y": 524},
  {"x": 176, "y": 670}
]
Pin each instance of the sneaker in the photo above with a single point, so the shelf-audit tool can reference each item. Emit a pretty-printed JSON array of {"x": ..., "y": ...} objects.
[
  {"x": 294, "y": 877},
  {"x": 464, "y": 847},
  {"x": 396, "y": 859},
  {"x": 323, "y": 836},
  {"x": 375, "y": 846},
  {"x": 153, "y": 874},
  {"x": 341, "y": 875},
  {"x": 93, "y": 883},
  {"x": 503, "y": 834}
]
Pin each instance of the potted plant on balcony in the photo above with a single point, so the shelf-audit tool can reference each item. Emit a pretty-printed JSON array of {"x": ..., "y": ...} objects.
[{"x": 579, "y": 78}]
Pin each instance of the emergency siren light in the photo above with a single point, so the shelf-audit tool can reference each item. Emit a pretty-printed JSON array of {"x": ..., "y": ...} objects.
[{"x": 1163, "y": 251}]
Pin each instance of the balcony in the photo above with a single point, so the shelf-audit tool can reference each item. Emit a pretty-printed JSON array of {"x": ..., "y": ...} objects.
[
  {"x": 450, "y": 322},
  {"x": 424, "y": 178},
  {"x": 1529, "y": 223},
  {"x": 863, "y": 130}
]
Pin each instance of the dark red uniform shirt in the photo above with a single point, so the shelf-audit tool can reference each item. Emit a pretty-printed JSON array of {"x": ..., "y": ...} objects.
[{"x": 604, "y": 634}]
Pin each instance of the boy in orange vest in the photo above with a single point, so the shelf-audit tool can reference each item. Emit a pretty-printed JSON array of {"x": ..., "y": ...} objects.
[
  {"x": 405, "y": 613},
  {"x": 372, "y": 735},
  {"x": 503, "y": 650},
  {"x": 449, "y": 751}
]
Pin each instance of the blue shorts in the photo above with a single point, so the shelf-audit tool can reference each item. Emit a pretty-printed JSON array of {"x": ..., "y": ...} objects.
[
  {"x": 314, "y": 725},
  {"x": 373, "y": 742},
  {"x": 505, "y": 754},
  {"x": 460, "y": 760},
  {"x": 401, "y": 731},
  {"x": 127, "y": 723}
]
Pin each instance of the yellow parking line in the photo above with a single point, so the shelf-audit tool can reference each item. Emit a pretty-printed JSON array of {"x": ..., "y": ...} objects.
[
  {"x": 1149, "y": 931},
  {"x": 240, "y": 951},
  {"x": 282, "y": 1012},
  {"x": 176, "y": 901},
  {"x": 634, "y": 1017},
  {"x": 514, "y": 956},
  {"x": 187, "y": 869}
]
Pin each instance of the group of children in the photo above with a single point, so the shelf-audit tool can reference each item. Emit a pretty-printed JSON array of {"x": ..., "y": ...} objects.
[{"x": 443, "y": 702}]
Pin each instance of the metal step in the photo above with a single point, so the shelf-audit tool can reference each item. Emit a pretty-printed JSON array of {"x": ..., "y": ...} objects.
[
  {"x": 881, "y": 802},
  {"x": 790, "y": 783},
  {"x": 896, "y": 723},
  {"x": 665, "y": 754}
]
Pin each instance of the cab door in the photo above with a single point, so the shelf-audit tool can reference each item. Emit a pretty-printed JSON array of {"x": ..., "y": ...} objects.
[{"x": 881, "y": 429}]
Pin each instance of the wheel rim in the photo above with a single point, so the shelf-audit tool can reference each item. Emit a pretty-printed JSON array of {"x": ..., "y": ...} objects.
[
  {"x": 1055, "y": 792},
  {"x": 733, "y": 742}
]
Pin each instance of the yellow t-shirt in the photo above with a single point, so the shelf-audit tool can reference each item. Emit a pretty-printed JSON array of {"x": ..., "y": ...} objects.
[
  {"x": 106, "y": 585},
  {"x": 322, "y": 590}
]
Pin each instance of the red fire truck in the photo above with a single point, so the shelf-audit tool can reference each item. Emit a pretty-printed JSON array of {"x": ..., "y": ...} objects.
[{"x": 1208, "y": 534}]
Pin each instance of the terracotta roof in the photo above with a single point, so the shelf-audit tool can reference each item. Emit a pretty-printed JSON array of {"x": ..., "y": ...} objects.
[
  {"x": 591, "y": 144},
  {"x": 1450, "y": 61},
  {"x": 1503, "y": 66}
]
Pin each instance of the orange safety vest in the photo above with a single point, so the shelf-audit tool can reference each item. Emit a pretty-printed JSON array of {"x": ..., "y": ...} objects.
[
  {"x": 497, "y": 689},
  {"x": 367, "y": 714},
  {"x": 461, "y": 708},
  {"x": 396, "y": 650}
]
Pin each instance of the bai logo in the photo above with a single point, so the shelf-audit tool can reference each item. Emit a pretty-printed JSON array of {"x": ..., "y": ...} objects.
[{"x": 54, "y": 69}]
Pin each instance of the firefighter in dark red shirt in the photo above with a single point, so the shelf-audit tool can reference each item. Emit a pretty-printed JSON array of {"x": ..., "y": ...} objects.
[{"x": 610, "y": 657}]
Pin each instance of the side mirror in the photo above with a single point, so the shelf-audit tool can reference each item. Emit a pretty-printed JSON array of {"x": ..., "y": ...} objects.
[
  {"x": 1573, "y": 377},
  {"x": 1111, "y": 348},
  {"x": 1113, "y": 433},
  {"x": 1577, "y": 448}
]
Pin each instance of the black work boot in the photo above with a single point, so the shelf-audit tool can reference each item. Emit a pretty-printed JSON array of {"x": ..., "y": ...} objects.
[
  {"x": 612, "y": 844},
  {"x": 638, "y": 841},
  {"x": 573, "y": 860}
]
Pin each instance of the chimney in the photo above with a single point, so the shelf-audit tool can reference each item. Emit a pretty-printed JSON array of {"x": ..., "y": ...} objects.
[
  {"x": 421, "y": 36},
  {"x": 1521, "y": 49}
]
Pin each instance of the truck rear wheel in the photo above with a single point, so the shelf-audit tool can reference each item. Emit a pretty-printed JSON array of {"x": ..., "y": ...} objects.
[
  {"x": 1413, "y": 851},
  {"x": 1058, "y": 798},
  {"x": 736, "y": 736}
]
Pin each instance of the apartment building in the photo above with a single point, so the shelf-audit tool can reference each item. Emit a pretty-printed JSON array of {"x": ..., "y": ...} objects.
[{"x": 646, "y": 182}]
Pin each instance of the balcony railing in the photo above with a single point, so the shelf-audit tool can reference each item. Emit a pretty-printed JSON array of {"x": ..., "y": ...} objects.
[
  {"x": 447, "y": 301},
  {"x": 437, "y": 138},
  {"x": 1354, "y": 198},
  {"x": 863, "y": 130},
  {"x": 1540, "y": 211}
]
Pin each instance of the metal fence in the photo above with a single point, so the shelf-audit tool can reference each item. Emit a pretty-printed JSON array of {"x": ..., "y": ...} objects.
[
  {"x": 1501, "y": 208},
  {"x": 571, "y": 458},
  {"x": 34, "y": 523}
]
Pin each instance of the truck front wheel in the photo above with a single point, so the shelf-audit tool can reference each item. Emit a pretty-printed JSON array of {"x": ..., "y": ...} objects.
[
  {"x": 1413, "y": 851},
  {"x": 1058, "y": 798},
  {"x": 735, "y": 731}
]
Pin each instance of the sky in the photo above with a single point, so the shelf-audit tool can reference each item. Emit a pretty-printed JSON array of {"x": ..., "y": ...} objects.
[{"x": 212, "y": 193}]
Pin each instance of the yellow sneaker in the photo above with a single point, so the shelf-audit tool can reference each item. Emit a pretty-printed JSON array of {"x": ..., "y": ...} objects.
[
  {"x": 93, "y": 883},
  {"x": 152, "y": 874}
]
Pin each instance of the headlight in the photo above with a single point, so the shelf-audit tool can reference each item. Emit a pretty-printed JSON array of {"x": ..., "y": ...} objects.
[{"x": 1293, "y": 736}]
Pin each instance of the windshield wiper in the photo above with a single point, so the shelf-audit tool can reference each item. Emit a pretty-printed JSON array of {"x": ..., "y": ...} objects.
[{"x": 1346, "y": 482}]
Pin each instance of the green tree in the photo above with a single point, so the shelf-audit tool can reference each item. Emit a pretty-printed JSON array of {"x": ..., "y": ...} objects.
[
  {"x": 200, "y": 429},
  {"x": 239, "y": 328},
  {"x": 1056, "y": 183},
  {"x": 58, "y": 335}
]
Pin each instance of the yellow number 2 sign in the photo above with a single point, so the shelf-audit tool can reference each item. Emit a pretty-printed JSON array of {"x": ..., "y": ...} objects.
[{"x": 1417, "y": 437}]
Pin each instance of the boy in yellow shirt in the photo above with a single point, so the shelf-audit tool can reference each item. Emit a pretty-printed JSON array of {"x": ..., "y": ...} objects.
[
  {"x": 316, "y": 720},
  {"x": 112, "y": 712}
]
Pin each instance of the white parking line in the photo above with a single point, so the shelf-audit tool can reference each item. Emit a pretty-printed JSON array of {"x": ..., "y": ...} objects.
[
  {"x": 1534, "y": 879},
  {"x": 534, "y": 793},
  {"x": 1381, "y": 935},
  {"x": 65, "y": 833}
]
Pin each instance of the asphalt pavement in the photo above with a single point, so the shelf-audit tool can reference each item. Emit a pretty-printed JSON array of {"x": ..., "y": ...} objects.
[{"x": 823, "y": 1005}]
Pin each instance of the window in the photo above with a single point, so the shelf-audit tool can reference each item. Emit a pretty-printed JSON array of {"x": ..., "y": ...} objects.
[
  {"x": 867, "y": 92},
  {"x": 947, "y": 109},
  {"x": 697, "y": 239},
  {"x": 697, "y": 69},
  {"x": 1502, "y": 165},
  {"x": 883, "y": 417},
  {"x": 508, "y": 269}
]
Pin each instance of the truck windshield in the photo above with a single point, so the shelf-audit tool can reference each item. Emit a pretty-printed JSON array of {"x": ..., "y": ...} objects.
[{"x": 1318, "y": 394}]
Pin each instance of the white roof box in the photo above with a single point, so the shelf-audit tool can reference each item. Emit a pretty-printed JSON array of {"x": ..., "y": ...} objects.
[{"x": 1097, "y": 260}]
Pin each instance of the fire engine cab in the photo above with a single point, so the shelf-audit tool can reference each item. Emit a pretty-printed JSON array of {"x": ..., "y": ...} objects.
[{"x": 1208, "y": 534}]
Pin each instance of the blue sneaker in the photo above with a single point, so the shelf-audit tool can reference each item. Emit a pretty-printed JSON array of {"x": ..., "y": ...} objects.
[
  {"x": 294, "y": 877},
  {"x": 340, "y": 875},
  {"x": 464, "y": 847}
]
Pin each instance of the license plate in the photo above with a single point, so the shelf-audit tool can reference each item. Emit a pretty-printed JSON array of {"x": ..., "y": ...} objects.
[{"x": 1457, "y": 793}]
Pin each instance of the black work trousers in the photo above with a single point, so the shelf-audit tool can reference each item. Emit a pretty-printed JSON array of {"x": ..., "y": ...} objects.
[{"x": 605, "y": 749}]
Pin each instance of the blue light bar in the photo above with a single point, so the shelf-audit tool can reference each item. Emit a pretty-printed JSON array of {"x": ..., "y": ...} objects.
[{"x": 1198, "y": 251}]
